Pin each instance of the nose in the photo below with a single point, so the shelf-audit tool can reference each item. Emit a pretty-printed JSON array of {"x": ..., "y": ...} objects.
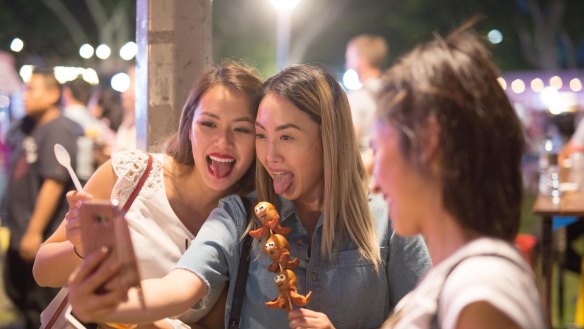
[
  {"x": 273, "y": 151},
  {"x": 375, "y": 188},
  {"x": 224, "y": 138}
]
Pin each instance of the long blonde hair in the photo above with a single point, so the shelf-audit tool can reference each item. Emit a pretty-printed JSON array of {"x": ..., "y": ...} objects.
[{"x": 345, "y": 210}]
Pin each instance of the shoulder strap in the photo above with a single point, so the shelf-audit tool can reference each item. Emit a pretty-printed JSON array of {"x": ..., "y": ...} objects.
[
  {"x": 242, "y": 272},
  {"x": 139, "y": 185},
  {"x": 434, "y": 322}
]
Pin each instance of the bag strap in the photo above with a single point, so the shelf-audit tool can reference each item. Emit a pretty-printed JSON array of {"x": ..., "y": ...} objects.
[
  {"x": 125, "y": 208},
  {"x": 138, "y": 187},
  {"x": 59, "y": 310},
  {"x": 242, "y": 272}
]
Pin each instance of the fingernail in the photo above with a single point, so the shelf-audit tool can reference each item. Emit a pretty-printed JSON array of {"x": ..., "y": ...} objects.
[{"x": 104, "y": 249}]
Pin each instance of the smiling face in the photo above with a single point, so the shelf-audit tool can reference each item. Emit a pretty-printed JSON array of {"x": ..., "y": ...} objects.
[
  {"x": 401, "y": 185},
  {"x": 288, "y": 145},
  {"x": 222, "y": 137}
]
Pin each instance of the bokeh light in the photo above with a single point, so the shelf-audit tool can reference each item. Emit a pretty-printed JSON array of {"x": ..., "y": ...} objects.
[
  {"x": 86, "y": 51},
  {"x": 103, "y": 51},
  {"x": 16, "y": 45},
  {"x": 351, "y": 80},
  {"x": 129, "y": 50},
  {"x": 120, "y": 82},
  {"x": 495, "y": 36}
]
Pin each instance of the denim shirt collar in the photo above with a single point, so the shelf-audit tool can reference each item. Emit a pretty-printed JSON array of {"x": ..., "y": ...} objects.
[{"x": 287, "y": 210}]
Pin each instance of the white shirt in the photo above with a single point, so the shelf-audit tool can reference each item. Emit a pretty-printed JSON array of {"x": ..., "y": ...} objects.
[
  {"x": 507, "y": 285},
  {"x": 158, "y": 235}
]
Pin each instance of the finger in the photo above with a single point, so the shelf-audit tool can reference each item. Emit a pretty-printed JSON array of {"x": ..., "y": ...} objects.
[
  {"x": 74, "y": 197},
  {"x": 89, "y": 265},
  {"x": 94, "y": 307},
  {"x": 107, "y": 274},
  {"x": 105, "y": 302},
  {"x": 72, "y": 218}
]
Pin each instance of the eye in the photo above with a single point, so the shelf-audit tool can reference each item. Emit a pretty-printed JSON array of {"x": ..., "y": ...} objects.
[
  {"x": 260, "y": 136},
  {"x": 243, "y": 130},
  {"x": 209, "y": 124},
  {"x": 270, "y": 245},
  {"x": 285, "y": 137},
  {"x": 279, "y": 278}
]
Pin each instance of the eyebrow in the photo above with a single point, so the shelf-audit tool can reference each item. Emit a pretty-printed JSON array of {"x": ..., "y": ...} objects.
[
  {"x": 213, "y": 115},
  {"x": 281, "y": 127}
]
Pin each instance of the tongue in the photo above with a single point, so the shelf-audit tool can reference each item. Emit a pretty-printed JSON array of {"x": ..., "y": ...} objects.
[
  {"x": 221, "y": 169},
  {"x": 282, "y": 182}
]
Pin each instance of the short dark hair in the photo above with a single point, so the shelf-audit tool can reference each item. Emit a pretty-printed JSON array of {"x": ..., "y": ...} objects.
[
  {"x": 481, "y": 139},
  {"x": 48, "y": 75},
  {"x": 80, "y": 89}
]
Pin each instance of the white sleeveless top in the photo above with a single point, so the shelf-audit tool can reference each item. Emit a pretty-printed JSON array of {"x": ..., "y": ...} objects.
[
  {"x": 506, "y": 284},
  {"x": 158, "y": 235}
]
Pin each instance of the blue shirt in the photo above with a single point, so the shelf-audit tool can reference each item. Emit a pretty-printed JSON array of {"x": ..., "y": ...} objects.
[{"x": 347, "y": 288}]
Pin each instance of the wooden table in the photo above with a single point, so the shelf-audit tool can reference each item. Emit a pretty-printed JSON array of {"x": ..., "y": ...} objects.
[{"x": 569, "y": 204}]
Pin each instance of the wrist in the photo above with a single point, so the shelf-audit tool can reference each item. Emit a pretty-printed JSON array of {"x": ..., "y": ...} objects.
[{"x": 77, "y": 252}]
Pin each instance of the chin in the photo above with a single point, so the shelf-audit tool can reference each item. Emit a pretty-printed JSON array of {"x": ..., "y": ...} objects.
[{"x": 220, "y": 184}]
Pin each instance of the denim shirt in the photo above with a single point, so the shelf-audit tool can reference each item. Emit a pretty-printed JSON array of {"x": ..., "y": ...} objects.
[{"x": 347, "y": 288}]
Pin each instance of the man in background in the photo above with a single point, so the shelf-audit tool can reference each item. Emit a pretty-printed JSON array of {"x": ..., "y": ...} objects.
[
  {"x": 76, "y": 94},
  {"x": 34, "y": 203},
  {"x": 365, "y": 54}
]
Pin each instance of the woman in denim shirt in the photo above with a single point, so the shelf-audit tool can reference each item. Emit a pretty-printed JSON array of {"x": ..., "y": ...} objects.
[{"x": 310, "y": 168}]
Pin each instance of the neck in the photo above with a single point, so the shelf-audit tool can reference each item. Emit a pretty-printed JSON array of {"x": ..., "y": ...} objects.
[
  {"x": 444, "y": 235},
  {"x": 47, "y": 116},
  {"x": 309, "y": 212},
  {"x": 191, "y": 199}
]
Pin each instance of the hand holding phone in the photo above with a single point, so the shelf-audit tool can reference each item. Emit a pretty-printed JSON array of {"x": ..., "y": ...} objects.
[{"x": 104, "y": 225}]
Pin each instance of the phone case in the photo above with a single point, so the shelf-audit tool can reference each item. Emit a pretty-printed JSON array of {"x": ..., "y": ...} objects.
[{"x": 104, "y": 224}]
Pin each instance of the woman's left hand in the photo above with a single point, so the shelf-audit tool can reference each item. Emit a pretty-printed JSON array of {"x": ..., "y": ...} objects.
[
  {"x": 304, "y": 318},
  {"x": 96, "y": 271}
]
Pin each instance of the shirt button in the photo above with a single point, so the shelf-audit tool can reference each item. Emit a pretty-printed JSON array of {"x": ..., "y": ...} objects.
[{"x": 314, "y": 276}]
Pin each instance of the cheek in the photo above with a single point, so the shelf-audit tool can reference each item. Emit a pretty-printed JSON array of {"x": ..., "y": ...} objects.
[{"x": 247, "y": 149}]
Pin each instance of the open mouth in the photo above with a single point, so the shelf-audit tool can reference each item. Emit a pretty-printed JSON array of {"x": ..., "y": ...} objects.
[
  {"x": 282, "y": 181},
  {"x": 220, "y": 166}
]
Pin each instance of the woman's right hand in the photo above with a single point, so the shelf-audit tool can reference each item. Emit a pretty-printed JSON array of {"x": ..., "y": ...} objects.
[
  {"x": 90, "y": 303},
  {"x": 72, "y": 220}
]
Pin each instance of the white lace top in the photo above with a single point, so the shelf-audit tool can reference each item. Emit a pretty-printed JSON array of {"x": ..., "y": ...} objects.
[{"x": 159, "y": 237}]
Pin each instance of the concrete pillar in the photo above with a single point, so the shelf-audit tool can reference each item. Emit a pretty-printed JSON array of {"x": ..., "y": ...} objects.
[{"x": 174, "y": 40}]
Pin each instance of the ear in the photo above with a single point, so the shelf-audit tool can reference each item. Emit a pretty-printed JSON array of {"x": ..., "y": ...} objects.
[
  {"x": 53, "y": 95},
  {"x": 430, "y": 149}
]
